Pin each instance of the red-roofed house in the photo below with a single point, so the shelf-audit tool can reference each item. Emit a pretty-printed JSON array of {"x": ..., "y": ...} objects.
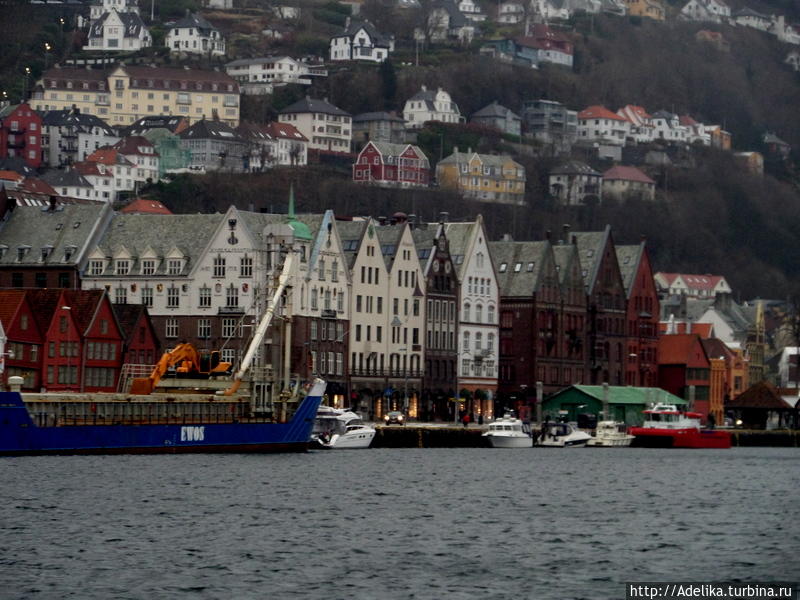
[
  {"x": 682, "y": 363},
  {"x": 692, "y": 286},
  {"x": 625, "y": 182},
  {"x": 696, "y": 131},
  {"x": 11, "y": 179},
  {"x": 546, "y": 45},
  {"x": 384, "y": 163},
  {"x": 24, "y": 340},
  {"x": 598, "y": 124},
  {"x": 641, "y": 128},
  {"x": 145, "y": 206},
  {"x": 121, "y": 168},
  {"x": 101, "y": 176},
  {"x": 140, "y": 342},
  {"x": 291, "y": 147},
  {"x": 138, "y": 150},
  {"x": 34, "y": 185}
]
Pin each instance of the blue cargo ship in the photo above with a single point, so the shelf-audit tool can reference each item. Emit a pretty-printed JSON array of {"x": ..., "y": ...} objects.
[{"x": 118, "y": 424}]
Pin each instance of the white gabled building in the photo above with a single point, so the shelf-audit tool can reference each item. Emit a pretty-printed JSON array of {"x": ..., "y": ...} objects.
[
  {"x": 194, "y": 35},
  {"x": 116, "y": 31},
  {"x": 262, "y": 75},
  {"x": 667, "y": 126},
  {"x": 478, "y": 327},
  {"x": 598, "y": 124},
  {"x": 706, "y": 10},
  {"x": 361, "y": 41},
  {"x": 640, "y": 126},
  {"x": 327, "y": 127},
  {"x": 429, "y": 105},
  {"x": 68, "y": 136}
]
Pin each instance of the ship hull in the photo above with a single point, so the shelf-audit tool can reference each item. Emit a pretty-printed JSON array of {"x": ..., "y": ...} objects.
[
  {"x": 679, "y": 438},
  {"x": 19, "y": 435}
]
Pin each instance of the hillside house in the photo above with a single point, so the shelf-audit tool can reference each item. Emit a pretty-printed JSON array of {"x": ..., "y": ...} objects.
[
  {"x": 573, "y": 182},
  {"x": 491, "y": 178},
  {"x": 641, "y": 130},
  {"x": 446, "y": 23},
  {"x": 194, "y": 35},
  {"x": 652, "y": 9},
  {"x": 752, "y": 162},
  {"x": 598, "y": 124},
  {"x": 429, "y": 105},
  {"x": 551, "y": 123},
  {"x": 21, "y": 134},
  {"x": 715, "y": 11},
  {"x": 69, "y": 136},
  {"x": 69, "y": 182},
  {"x": 326, "y": 127},
  {"x": 387, "y": 164},
  {"x": 378, "y": 127},
  {"x": 261, "y": 75},
  {"x": 498, "y": 117},
  {"x": 216, "y": 147},
  {"x": 118, "y": 29},
  {"x": 667, "y": 126},
  {"x": 691, "y": 286},
  {"x": 360, "y": 41},
  {"x": 748, "y": 17},
  {"x": 628, "y": 182}
]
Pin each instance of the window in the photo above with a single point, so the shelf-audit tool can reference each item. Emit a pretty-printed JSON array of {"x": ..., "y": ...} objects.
[
  {"x": 466, "y": 340},
  {"x": 219, "y": 266},
  {"x": 173, "y": 297},
  {"x": 466, "y": 315},
  {"x": 96, "y": 267},
  {"x": 321, "y": 269},
  {"x": 228, "y": 328},
  {"x": 148, "y": 266},
  {"x": 205, "y": 297},
  {"x": 120, "y": 295},
  {"x": 174, "y": 266},
  {"x": 246, "y": 266},
  {"x": 490, "y": 314},
  {"x": 204, "y": 328},
  {"x": 232, "y": 296},
  {"x": 314, "y": 299},
  {"x": 172, "y": 328},
  {"x": 147, "y": 296}
]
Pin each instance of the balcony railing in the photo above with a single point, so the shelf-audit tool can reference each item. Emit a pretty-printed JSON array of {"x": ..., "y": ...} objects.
[{"x": 394, "y": 373}]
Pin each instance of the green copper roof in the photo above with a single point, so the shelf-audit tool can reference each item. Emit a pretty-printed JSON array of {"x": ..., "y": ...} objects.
[
  {"x": 301, "y": 230},
  {"x": 630, "y": 395}
]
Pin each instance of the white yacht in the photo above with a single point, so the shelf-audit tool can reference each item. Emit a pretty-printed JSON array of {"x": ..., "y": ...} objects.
[
  {"x": 338, "y": 428},
  {"x": 610, "y": 434},
  {"x": 562, "y": 435},
  {"x": 509, "y": 432}
]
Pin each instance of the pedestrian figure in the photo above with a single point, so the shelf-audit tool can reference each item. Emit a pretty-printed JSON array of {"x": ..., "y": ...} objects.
[{"x": 466, "y": 419}]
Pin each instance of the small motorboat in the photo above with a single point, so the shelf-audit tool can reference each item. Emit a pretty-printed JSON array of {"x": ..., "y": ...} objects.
[
  {"x": 666, "y": 427},
  {"x": 562, "y": 435},
  {"x": 509, "y": 432},
  {"x": 339, "y": 428},
  {"x": 610, "y": 434}
]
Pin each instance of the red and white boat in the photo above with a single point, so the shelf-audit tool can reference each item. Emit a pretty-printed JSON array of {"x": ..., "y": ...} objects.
[{"x": 666, "y": 427}]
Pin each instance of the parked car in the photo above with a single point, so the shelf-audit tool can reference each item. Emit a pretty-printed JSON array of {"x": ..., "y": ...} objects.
[{"x": 394, "y": 417}]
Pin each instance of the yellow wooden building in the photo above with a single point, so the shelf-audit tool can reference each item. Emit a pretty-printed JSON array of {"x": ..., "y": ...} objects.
[
  {"x": 488, "y": 177},
  {"x": 646, "y": 8}
]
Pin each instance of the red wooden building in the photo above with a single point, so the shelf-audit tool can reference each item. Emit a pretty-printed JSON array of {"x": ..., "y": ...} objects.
[
  {"x": 21, "y": 134},
  {"x": 140, "y": 342},
  {"x": 24, "y": 345},
  {"x": 682, "y": 362},
  {"x": 643, "y": 315},
  {"x": 384, "y": 163}
]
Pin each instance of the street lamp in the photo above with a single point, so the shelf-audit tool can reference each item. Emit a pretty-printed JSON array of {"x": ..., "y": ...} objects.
[
  {"x": 47, "y": 48},
  {"x": 25, "y": 86},
  {"x": 69, "y": 347}
]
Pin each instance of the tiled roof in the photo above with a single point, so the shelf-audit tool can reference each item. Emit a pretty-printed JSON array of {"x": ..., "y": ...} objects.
[
  {"x": 574, "y": 167},
  {"x": 66, "y": 230},
  {"x": 564, "y": 254},
  {"x": 128, "y": 316},
  {"x": 43, "y": 305},
  {"x": 284, "y": 130},
  {"x": 109, "y": 156},
  {"x": 762, "y": 395},
  {"x": 145, "y": 124},
  {"x": 141, "y": 75},
  {"x": 132, "y": 145},
  {"x": 10, "y": 301},
  {"x": 520, "y": 282},
  {"x": 599, "y": 112},
  {"x": 83, "y": 306},
  {"x": 675, "y": 349},
  {"x": 194, "y": 21},
  {"x": 459, "y": 236},
  {"x": 132, "y": 25},
  {"x": 75, "y": 119},
  {"x": 377, "y": 116},
  {"x": 211, "y": 130},
  {"x": 389, "y": 238},
  {"x": 34, "y": 185},
  {"x": 620, "y": 173},
  {"x": 146, "y": 206},
  {"x": 628, "y": 258},
  {"x": 351, "y": 234},
  {"x": 310, "y": 105},
  {"x": 68, "y": 177},
  {"x": 495, "y": 110},
  {"x": 590, "y": 251}
]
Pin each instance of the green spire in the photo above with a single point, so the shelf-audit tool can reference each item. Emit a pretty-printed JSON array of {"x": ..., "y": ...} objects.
[{"x": 301, "y": 230}]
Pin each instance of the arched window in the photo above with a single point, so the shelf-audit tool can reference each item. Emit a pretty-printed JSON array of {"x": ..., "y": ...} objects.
[
  {"x": 478, "y": 313},
  {"x": 466, "y": 311},
  {"x": 490, "y": 342},
  {"x": 490, "y": 314},
  {"x": 478, "y": 341},
  {"x": 466, "y": 340}
]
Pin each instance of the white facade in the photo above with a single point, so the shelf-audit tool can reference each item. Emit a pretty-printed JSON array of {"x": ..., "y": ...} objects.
[
  {"x": 96, "y": 10},
  {"x": 261, "y": 75},
  {"x": 120, "y": 32},
  {"x": 361, "y": 43},
  {"x": 511, "y": 12},
  {"x": 706, "y": 10},
  {"x": 427, "y": 105},
  {"x": 666, "y": 126},
  {"x": 788, "y": 355},
  {"x": 195, "y": 35},
  {"x": 326, "y": 127},
  {"x": 68, "y": 144},
  {"x": 478, "y": 327},
  {"x": 471, "y": 10},
  {"x": 603, "y": 127},
  {"x": 640, "y": 127}
]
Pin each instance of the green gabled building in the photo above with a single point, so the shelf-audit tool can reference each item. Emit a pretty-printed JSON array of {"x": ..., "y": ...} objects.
[{"x": 625, "y": 403}]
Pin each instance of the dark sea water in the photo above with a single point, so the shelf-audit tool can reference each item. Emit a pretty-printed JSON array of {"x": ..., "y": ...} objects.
[{"x": 384, "y": 524}]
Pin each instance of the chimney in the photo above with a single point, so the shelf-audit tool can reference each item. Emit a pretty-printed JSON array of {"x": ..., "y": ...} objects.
[
  {"x": 381, "y": 220},
  {"x": 443, "y": 216},
  {"x": 53, "y": 204},
  {"x": 565, "y": 231}
]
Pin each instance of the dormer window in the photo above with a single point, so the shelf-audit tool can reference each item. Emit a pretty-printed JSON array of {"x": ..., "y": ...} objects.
[
  {"x": 174, "y": 266},
  {"x": 122, "y": 266},
  {"x": 68, "y": 252},
  {"x": 503, "y": 267},
  {"x": 46, "y": 251},
  {"x": 22, "y": 251},
  {"x": 3, "y": 250},
  {"x": 517, "y": 267},
  {"x": 148, "y": 266},
  {"x": 96, "y": 267}
]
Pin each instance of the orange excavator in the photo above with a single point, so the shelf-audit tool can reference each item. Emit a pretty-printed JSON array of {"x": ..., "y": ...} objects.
[{"x": 188, "y": 362}]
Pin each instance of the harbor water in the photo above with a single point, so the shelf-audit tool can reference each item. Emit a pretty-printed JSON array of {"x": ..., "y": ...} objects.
[{"x": 396, "y": 523}]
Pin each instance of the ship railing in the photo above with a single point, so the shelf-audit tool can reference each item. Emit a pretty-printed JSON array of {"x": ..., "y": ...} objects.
[{"x": 130, "y": 372}]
